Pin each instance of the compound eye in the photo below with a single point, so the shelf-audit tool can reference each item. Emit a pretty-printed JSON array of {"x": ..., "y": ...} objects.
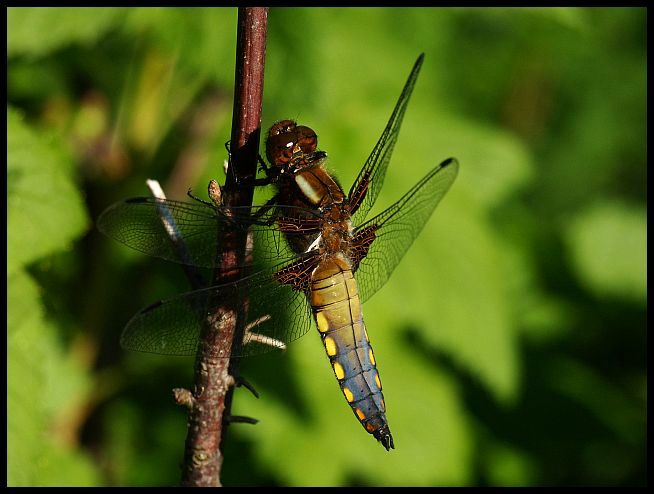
[
  {"x": 279, "y": 148},
  {"x": 280, "y": 142},
  {"x": 306, "y": 138},
  {"x": 281, "y": 127}
]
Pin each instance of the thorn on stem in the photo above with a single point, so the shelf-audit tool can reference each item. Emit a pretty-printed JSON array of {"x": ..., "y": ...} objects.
[
  {"x": 241, "y": 381},
  {"x": 241, "y": 418}
]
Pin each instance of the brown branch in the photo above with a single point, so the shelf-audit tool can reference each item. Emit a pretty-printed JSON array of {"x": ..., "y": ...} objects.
[{"x": 213, "y": 388}]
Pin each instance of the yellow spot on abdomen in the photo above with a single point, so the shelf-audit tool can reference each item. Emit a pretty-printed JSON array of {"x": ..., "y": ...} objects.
[
  {"x": 372, "y": 357},
  {"x": 323, "y": 323},
  {"x": 377, "y": 381},
  {"x": 330, "y": 346},
  {"x": 338, "y": 369},
  {"x": 348, "y": 395},
  {"x": 360, "y": 414}
]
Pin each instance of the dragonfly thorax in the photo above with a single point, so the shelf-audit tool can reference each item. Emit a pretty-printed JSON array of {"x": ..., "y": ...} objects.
[{"x": 336, "y": 233}]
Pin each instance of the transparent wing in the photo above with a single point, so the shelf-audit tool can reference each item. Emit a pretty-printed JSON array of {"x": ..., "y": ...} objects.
[
  {"x": 369, "y": 182},
  {"x": 393, "y": 231},
  {"x": 172, "y": 326},
  {"x": 153, "y": 226}
]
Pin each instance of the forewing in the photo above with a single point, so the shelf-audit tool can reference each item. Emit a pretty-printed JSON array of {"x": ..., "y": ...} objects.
[
  {"x": 188, "y": 233},
  {"x": 278, "y": 315},
  {"x": 389, "y": 235},
  {"x": 366, "y": 187}
]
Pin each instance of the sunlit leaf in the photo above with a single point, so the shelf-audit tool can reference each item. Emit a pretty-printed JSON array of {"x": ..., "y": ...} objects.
[
  {"x": 428, "y": 424},
  {"x": 608, "y": 246},
  {"x": 36, "y": 31},
  {"x": 453, "y": 268},
  {"x": 45, "y": 208}
]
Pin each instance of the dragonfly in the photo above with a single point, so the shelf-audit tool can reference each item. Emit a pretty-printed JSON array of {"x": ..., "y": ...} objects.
[{"x": 317, "y": 257}]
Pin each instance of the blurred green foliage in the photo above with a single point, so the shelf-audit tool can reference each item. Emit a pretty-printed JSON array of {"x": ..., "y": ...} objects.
[{"x": 510, "y": 340}]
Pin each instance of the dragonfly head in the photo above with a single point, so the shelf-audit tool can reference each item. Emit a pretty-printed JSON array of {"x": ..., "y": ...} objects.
[{"x": 289, "y": 143}]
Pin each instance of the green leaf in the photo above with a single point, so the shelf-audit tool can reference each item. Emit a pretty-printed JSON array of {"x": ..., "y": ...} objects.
[
  {"x": 540, "y": 315},
  {"x": 607, "y": 245},
  {"x": 192, "y": 35},
  {"x": 451, "y": 287},
  {"x": 37, "y": 31},
  {"x": 496, "y": 162},
  {"x": 45, "y": 209},
  {"x": 426, "y": 417},
  {"x": 37, "y": 371},
  {"x": 45, "y": 384}
]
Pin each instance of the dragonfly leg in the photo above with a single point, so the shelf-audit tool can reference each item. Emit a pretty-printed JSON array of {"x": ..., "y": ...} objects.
[
  {"x": 190, "y": 194},
  {"x": 258, "y": 182},
  {"x": 262, "y": 165},
  {"x": 270, "y": 203}
]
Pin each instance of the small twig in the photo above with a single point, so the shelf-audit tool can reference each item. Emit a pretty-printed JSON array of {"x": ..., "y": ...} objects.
[
  {"x": 193, "y": 275},
  {"x": 183, "y": 397}
]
